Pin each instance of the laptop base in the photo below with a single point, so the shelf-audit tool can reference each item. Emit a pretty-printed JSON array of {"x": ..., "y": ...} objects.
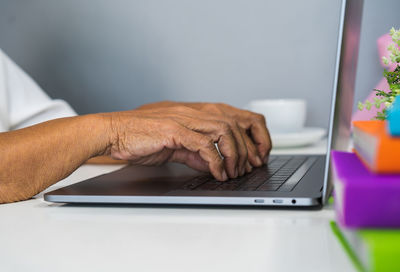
[{"x": 163, "y": 185}]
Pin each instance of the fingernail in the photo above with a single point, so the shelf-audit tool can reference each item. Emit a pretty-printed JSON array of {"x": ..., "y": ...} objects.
[
  {"x": 258, "y": 161},
  {"x": 236, "y": 173},
  {"x": 224, "y": 175},
  {"x": 266, "y": 159},
  {"x": 249, "y": 168}
]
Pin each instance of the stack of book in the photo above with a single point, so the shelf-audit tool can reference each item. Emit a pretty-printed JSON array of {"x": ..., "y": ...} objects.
[{"x": 367, "y": 196}]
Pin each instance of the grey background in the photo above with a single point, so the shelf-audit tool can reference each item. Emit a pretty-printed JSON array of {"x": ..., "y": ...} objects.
[{"x": 102, "y": 55}]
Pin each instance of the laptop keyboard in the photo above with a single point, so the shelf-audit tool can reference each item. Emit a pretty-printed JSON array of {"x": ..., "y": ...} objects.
[{"x": 270, "y": 177}]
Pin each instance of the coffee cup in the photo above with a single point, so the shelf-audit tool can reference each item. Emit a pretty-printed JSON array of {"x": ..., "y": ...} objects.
[{"x": 282, "y": 115}]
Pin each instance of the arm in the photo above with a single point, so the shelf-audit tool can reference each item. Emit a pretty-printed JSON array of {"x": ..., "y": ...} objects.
[
  {"x": 36, "y": 157},
  {"x": 33, "y": 158}
]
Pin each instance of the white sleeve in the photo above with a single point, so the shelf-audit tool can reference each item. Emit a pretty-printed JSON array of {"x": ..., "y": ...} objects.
[{"x": 22, "y": 101}]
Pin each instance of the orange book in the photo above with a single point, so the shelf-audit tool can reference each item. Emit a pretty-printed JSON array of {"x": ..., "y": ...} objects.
[{"x": 376, "y": 148}]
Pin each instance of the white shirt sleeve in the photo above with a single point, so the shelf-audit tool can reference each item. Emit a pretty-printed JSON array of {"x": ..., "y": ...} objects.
[{"x": 22, "y": 102}]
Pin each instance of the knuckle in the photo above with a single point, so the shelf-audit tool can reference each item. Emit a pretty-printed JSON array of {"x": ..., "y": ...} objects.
[
  {"x": 259, "y": 118},
  {"x": 209, "y": 106},
  {"x": 206, "y": 142},
  {"x": 220, "y": 105},
  {"x": 224, "y": 127},
  {"x": 232, "y": 123},
  {"x": 215, "y": 108},
  {"x": 180, "y": 109}
]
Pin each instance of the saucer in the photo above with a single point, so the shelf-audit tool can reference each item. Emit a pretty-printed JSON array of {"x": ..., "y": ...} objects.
[{"x": 305, "y": 136}]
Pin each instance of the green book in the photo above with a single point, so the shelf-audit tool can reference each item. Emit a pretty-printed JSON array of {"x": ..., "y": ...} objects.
[{"x": 371, "y": 249}]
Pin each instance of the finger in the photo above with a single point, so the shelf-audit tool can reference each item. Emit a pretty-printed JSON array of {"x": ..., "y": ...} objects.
[
  {"x": 227, "y": 147},
  {"x": 235, "y": 130},
  {"x": 260, "y": 135},
  {"x": 217, "y": 110},
  {"x": 204, "y": 146},
  {"x": 253, "y": 156},
  {"x": 221, "y": 134},
  {"x": 191, "y": 159},
  {"x": 252, "y": 121},
  {"x": 238, "y": 133},
  {"x": 249, "y": 168}
]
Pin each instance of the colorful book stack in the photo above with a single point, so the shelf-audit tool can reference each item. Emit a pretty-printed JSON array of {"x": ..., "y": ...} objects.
[{"x": 367, "y": 196}]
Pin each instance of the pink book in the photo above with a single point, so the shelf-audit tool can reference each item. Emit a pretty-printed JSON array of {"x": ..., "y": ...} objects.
[{"x": 364, "y": 199}]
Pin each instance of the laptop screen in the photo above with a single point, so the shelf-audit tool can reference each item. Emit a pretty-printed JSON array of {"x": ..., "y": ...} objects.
[{"x": 344, "y": 82}]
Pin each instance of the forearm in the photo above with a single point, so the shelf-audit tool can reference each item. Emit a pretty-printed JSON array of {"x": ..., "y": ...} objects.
[{"x": 34, "y": 158}]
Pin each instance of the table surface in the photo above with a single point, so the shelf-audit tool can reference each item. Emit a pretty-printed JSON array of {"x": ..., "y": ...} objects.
[{"x": 41, "y": 236}]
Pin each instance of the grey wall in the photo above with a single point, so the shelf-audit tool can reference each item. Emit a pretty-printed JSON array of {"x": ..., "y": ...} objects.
[{"x": 104, "y": 55}]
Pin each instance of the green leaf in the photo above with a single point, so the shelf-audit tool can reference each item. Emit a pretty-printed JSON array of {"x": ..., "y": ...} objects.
[
  {"x": 360, "y": 106},
  {"x": 381, "y": 93},
  {"x": 381, "y": 115},
  {"x": 368, "y": 105}
]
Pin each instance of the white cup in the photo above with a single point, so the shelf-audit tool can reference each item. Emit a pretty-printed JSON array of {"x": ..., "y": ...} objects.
[{"x": 282, "y": 115}]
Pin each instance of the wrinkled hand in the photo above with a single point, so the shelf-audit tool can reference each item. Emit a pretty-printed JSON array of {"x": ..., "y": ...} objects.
[
  {"x": 252, "y": 127},
  {"x": 187, "y": 133}
]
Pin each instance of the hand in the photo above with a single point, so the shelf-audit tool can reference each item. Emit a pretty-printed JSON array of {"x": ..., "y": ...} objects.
[
  {"x": 252, "y": 126},
  {"x": 246, "y": 125},
  {"x": 181, "y": 134}
]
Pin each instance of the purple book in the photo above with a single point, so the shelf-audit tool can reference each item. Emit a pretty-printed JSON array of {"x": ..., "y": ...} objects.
[{"x": 364, "y": 199}]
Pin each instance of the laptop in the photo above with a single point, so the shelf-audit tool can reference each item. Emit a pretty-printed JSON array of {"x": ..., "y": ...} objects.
[{"x": 290, "y": 181}]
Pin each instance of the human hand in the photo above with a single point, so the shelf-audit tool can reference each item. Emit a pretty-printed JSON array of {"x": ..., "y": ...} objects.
[
  {"x": 181, "y": 134},
  {"x": 251, "y": 127}
]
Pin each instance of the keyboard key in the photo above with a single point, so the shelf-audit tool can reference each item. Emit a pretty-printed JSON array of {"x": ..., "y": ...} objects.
[
  {"x": 211, "y": 185},
  {"x": 247, "y": 188},
  {"x": 276, "y": 181},
  {"x": 227, "y": 186},
  {"x": 268, "y": 187},
  {"x": 193, "y": 183}
]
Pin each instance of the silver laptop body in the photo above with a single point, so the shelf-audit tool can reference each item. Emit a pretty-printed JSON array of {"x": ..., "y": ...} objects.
[{"x": 306, "y": 178}]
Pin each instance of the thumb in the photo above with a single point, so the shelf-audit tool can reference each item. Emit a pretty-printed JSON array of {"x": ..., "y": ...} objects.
[{"x": 191, "y": 159}]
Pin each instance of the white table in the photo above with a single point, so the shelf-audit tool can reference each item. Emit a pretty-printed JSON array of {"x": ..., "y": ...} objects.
[{"x": 40, "y": 236}]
